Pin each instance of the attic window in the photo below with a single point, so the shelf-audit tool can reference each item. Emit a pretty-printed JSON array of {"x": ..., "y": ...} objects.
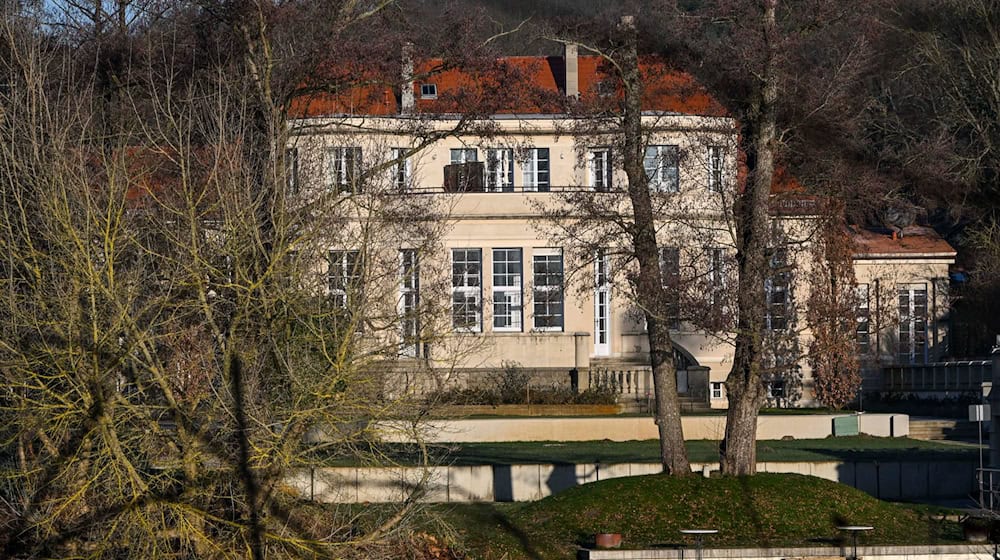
[
  {"x": 606, "y": 88},
  {"x": 428, "y": 91}
]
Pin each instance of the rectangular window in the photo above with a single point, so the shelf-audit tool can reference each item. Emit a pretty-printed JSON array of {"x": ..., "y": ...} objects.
[
  {"x": 715, "y": 168},
  {"x": 776, "y": 388},
  {"x": 428, "y": 91},
  {"x": 717, "y": 277},
  {"x": 500, "y": 170},
  {"x": 777, "y": 291},
  {"x": 548, "y": 289},
  {"x": 912, "y": 324},
  {"x": 862, "y": 331},
  {"x": 599, "y": 162},
  {"x": 670, "y": 275},
  {"x": 465, "y": 174},
  {"x": 466, "y": 289},
  {"x": 400, "y": 170},
  {"x": 343, "y": 169},
  {"x": 292, "y": 171},
  {"x": 344, "y": 277},
  {"x": 602, "y": 303},
  {"x": 536, "y": 170},
  {"x": 507, "y": 274},
  {"x": 716, "y": 390},
  {"x": 660, "y": 163},
  {"x": 409, "y": 303},
  {"x": 464, "y": 155}
]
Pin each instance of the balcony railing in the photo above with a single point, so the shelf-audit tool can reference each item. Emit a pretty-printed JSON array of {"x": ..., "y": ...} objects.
[
  {"x": 440, "y": 189},
  {"x": 959, "y": 376}
]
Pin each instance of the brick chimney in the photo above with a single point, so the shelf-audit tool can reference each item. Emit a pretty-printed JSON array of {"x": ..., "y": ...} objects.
[
  {"x": 407, "y": 103},
  {"x": 572, "y": 70}
]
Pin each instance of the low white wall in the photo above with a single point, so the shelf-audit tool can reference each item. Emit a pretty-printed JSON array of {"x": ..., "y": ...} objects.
[
  {"x": 712, "y": 427},
  {"x": 933, "y": 552},
  {"x": 890, "y": 480}
]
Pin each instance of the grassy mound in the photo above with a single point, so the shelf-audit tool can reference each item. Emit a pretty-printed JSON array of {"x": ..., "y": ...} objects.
[{"x": 765, "y": 510}]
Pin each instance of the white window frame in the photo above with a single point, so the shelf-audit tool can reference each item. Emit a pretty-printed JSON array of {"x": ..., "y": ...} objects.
[
  {"x": 662, "y": 167},
  {"x": 463, "y": 155},
  {"x": 600, "y": 170},
  {"x": 292, "y": 184},
  {"x": 344, "y": 169},
  {"x": 717, "y": 257},
  {"x": 602, "y": 303},
  {"x": 401, "y": 170},
  {"x": 508, "y": 274},
  {"x": 499, "y": 170},
  {"x": 914, "y": 321},
  {"x": 468, "y": 285},
  {"x": 534, "y": 178},
  {"x": 778, "y": 281},
  {"x": 716, "y": 388},
  {"x": 542, "y": 292},
  {"x": 428, "y": 91},
  {"x": 862, "y": 331},
  {"x": 409, "y": 303},
  {"x": 344, "y": 272},
  {"x": 716, "y": 162},
  {"x": 670, "y": 276}
]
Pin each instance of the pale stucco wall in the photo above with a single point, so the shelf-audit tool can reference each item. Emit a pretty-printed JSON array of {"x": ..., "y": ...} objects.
[
  {"x": 710, "y": 427},
  {"x": 693, "y": 219}
]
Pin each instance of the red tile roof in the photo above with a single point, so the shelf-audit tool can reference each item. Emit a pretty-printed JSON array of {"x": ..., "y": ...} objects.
[
  {"x": 515, "y": 84},
  {"x": 915, "y": 240}
]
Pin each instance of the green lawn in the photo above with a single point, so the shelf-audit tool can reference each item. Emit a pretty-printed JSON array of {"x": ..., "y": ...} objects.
[
  {"x": 649, "y": 511},
  {"x": 859, "y": 448}
]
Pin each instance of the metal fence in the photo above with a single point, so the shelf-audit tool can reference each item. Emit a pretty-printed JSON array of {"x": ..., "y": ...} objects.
[{"x": 960, "y": 376}]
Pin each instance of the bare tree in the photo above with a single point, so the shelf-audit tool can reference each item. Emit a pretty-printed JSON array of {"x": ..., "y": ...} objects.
[{"x": 193, "y": 314}]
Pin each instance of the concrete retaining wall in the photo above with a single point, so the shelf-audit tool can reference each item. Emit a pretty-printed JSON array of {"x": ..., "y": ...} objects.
[
  {"x": 712, "y": 427},
  {"x": 933, "y": 552},
  {"x": 519, "y": 483}
]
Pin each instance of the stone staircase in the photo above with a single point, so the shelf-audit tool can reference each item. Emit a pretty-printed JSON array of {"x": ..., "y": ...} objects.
[{"x": 940, "y": 429}]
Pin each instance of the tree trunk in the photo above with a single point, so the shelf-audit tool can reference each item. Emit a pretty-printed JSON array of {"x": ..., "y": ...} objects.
[
  {"x": 738, "y": 454},
  {"x": 649, "y": 283}
]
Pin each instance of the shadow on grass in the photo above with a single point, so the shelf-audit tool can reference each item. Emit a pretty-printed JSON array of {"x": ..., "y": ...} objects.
[{"x": 484, "y": 514}]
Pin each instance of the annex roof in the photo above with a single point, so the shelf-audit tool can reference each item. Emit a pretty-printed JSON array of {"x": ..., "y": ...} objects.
[{"x": 912, "y": 241}]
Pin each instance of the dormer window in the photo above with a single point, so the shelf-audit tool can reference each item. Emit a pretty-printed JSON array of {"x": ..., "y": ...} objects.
[{"x": 428, "y": 91}]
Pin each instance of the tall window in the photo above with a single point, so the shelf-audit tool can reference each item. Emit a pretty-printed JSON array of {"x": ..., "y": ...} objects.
[
  {"x": 599, "y": 162},
  {"x": 717, "y": 275},
  {"x": 863, "y": 329},
  {"x": 409, "y": 303},
  {"x": 292, "y": 171},
  {"x": 466, "y": 289},
  {"x": 548, "y": 289},
  {"x": 344, "y": 277},
  {"x": 343, "y": 169},
  {"x": 777, "y": 291},
  {"x": 602, "y": 304},
  {"x": 670, "y": 275},
  {"x": 715, "y": 168},
  {"x": 507, "y": 275},
  {"x": 400, "y": 170},
  {"x": 500, "y": 170},
  {"x": 660, "y": 164},
  {"x": 912, "y": 323},
  {"x": 536, "y": 170}
]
